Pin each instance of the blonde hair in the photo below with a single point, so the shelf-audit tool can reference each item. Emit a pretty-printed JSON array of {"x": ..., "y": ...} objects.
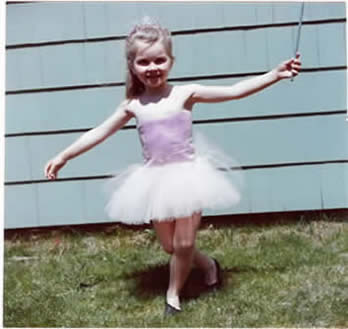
[{"x": 150, "y": 33}]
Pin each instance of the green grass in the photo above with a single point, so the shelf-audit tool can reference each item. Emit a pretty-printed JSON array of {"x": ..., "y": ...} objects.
[{"x": 276, "y": 274}]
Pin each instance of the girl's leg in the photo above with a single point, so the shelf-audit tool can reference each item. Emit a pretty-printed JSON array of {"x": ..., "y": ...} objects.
[
  {"x": 178, "y": 238},
  {"x": 165, "y": 234},
  {"x": 182, "y": 258},
  {"x": 207, "y": 264},
  {"x": 204, "y": 262}
]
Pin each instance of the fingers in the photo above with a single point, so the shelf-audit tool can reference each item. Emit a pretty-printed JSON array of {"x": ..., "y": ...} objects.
[
  {"x": 296, "y": 60},
  {"x": 50, "y": 171},
  {"x": 295, "y": 69},
  {"x": 295, "y": 65},
  {"x": 294, "y": 73},
  {"x": 47, "y": 168}
]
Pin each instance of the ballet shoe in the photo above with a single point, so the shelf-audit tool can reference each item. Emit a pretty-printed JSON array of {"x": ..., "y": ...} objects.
[
  {"x": 170, "y": 310},
  {"x": 218, "y": 282}
]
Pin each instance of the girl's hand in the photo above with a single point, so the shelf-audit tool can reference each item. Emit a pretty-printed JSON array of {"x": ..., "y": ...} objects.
[
  {"x": 53, "y": 166},
  {"x": 289, "y": 68}
]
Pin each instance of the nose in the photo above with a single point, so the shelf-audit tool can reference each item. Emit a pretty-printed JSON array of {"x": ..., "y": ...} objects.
[{"x": 152, "y": 67}]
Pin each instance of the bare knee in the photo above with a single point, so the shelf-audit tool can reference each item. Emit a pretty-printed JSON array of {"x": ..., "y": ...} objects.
[
  {"x": 183, "y": 246},
  {"x": 168, "y": 248},
  {"x": 165, "y": 232}
]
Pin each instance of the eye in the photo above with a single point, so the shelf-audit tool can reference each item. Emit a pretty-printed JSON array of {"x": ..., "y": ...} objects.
[
  {"x": 142, "y": 62},
  {"x": 160, "y": 60}
]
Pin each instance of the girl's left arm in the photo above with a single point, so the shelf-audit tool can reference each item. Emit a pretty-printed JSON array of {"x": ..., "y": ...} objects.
[{"x": 214, "y": 94}]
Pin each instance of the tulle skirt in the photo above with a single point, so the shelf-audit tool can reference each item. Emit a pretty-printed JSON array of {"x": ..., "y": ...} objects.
[{"x": 145, "y": 192}]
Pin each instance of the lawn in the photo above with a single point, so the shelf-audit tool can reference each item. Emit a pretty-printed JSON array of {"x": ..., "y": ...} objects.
[{"x": 281, "y": 271}]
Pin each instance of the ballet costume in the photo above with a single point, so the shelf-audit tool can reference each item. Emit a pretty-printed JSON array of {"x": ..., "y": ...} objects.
[{"x": 178, "y": 177}]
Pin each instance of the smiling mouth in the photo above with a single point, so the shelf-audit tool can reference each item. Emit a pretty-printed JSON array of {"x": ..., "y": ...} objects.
[{"x": 153, "y": 76}]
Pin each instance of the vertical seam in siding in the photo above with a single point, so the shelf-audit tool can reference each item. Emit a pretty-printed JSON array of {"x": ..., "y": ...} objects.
[
  {"x": 322, "y": 171},
  {"x": 84, "y": 201},
  {"x": 38, "y": 213},
  {"x": 245, "y": 50},
  {"x": 42, "y": 76},
  {"x": 84, "y": 48},
  {"x": 317, "y": 43},
  {"x": 83, "y": 9},
  {"x": 106, "y": 19},
  {"x": 36, "y": 206},
  {"x": 268, "y": 61}
]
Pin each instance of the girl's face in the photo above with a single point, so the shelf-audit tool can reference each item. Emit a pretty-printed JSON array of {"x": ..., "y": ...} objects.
[{"x": 152, "y": 65}]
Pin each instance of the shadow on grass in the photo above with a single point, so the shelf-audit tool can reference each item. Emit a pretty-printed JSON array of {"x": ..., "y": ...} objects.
[{"x": 154, "y": 281}]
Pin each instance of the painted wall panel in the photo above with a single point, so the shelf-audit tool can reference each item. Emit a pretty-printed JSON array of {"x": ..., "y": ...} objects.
[
  {"x": 62, "y": 203},
  {"x": 266, "y": 190},
  {"x": 61, "y": 66},
  {"x": 302, "y": 189},
  {"x": 24, "y": 69},
  {"x": 264, "y": 13},
  {"x": 290, "y": 189},
  {"x": 76, "y": 109},
  {"x": 287, "y": 11},
  {"x": 309, "y": 45},
  {"x": 67, "y": 65},
  {"x": 111, "y": 156},
  {"x": 317, "y": 10},
  {"x": 122, "y": 17},
  {"x": 74, "y": 64},
  {"x": 279, "y": 141},
  {"x": 281, "y": 46},
  {"x": 327, "y": 92},
  {"x": 332, "y": 35},
  {"x": 334, "y": 186},
  {"x": 35, "y": 22},
  {"x": 21, "y": 206},
  {"x": 256, "y": 142},
  {"x": 250, "y": 142},
  {"x": 96, "y": 196},
  {"x": 96, "y": 19},
  {"x": 256, "y": 62},
  {"x": 75, "y": 20},
  {"x": 70, "y": 109},
  {"x": 17, "y": 164}
]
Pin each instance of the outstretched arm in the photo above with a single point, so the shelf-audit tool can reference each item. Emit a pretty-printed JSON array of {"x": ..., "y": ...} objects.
[
  {"x": 88, "y": 140},
  {"x": 214, "y": 94}
]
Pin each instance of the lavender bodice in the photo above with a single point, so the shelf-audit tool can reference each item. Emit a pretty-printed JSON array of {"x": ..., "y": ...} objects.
[{"x": 168, "y": 139}]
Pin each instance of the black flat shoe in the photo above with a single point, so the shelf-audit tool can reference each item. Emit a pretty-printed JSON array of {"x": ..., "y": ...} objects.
[
  {"x": 170, "y": 310},
  {"x": 218, "y": 282}
]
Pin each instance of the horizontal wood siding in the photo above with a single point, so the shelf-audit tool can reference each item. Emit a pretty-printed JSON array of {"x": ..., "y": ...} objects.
[
  {"x": 65, "y": 73},
  {"x": 103, "y": 62},
  {"x": 278, "y": 189},
  {"x": 54, "y": 111},
  {"x": 250, "y": 142}
]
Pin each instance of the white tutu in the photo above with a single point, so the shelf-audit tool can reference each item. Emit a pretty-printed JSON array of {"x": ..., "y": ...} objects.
[{"x": 164, "y": 192}]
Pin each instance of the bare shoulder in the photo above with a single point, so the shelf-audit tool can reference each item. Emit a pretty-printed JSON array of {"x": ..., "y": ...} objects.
[
  {"x": 185, "y": 92},
  {"x": 188, "y": 89},
  {"x": 127, "y": 106}
]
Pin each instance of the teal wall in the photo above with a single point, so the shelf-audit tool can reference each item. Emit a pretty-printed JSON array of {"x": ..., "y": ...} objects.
[{"x": 65, "y": 72}]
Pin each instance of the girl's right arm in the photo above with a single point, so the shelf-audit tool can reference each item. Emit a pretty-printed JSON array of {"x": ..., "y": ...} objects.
[{"x": 88, "y": 140}]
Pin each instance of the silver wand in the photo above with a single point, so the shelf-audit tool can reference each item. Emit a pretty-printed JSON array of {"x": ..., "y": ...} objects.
[{"x": 299, "y": 32}]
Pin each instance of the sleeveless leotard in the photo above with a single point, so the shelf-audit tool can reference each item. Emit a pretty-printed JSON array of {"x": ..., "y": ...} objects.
[
  {"x": 168, "y": 139},
  {"x": 174, "y": 181}
]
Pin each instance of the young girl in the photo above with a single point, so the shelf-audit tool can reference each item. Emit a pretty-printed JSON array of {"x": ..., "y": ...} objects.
[{"x": 175, "y": 183}]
